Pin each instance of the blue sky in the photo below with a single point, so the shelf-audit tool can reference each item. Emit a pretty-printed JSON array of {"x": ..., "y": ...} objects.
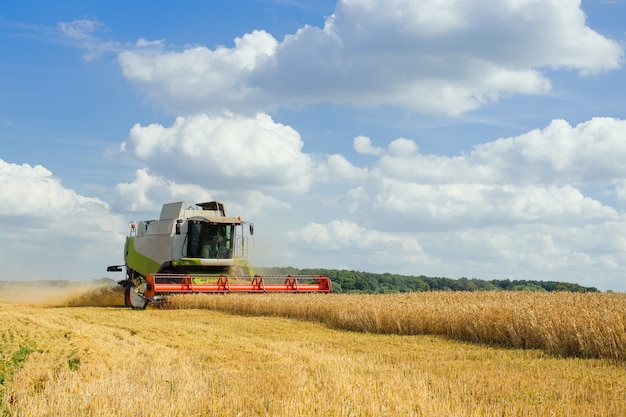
[{"x": 455, "y": 138}]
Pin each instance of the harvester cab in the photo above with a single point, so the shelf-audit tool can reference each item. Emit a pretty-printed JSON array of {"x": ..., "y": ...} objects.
[{"x": 199, "y": 248}]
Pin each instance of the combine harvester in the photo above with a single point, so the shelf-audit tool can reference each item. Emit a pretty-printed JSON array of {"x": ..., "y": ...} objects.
[{"x": 197, "y": 249}]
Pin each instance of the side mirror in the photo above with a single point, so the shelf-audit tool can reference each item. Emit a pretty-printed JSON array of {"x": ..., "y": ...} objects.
[
  {"x": 178, "y": 222},
  {"x": 251, "y": 229}
]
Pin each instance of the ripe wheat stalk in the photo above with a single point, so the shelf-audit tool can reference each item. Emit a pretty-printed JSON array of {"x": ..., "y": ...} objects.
[{"x": 564, "y": 324}]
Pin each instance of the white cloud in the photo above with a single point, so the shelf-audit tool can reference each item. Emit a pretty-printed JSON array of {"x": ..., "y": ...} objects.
[
  {"x": 592, "y": 152},
  {"x": 340, "y": 243},
  {"x": 403, "y": 148},
  {"x": 84, "y": 29},
  {"x": 223, "y": 152},
  {"x": 504, "y": 210},
  {"x": 537, "y": 177},
  {"x": 450, "y": 206},
  {"x": 591, "y": 255},
  {"x": 146, "y": 193},
  {"x": 200, "y": 79},
  {"x": 338, "y": 169},
  {"x": 83, "y": 33},
  {"x": 340, "y": 234},
  {"x": 363, "y": 144},
  {"x": 429, "y": 56},
  {"x": 49, "y": 231},
  {"x": 145, "y": 43}
]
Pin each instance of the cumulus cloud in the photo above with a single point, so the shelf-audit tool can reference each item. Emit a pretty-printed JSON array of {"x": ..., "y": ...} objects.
[
  {"x": 592, "y": 152},
  {"x": 591, "y": 254},
  {"x": 338, "y": 168},
  {"x": 537, "y": 177},
  {"x": 532, "y": 251},
  {"x": 450, "y": 206},
  {"x": 33, "y": 192},
  {"x": 473, "y": 212},
  {"x": 511, "y": 34},
  {"x": 56, "y": 226},
  {"x": 342, "y": 242},
  {"x": 147, "y": 192},
  {"x": 432, "y": 56},
  {"x": 200, "y": 79},
  {"x": 220, "y": 152},
  {"x": 363, "y": 144}
]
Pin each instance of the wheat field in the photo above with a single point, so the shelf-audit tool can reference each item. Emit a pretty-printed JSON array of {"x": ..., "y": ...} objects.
[
  {"x": 586, "y": 325},
  {"x": 323, "y": 356}
]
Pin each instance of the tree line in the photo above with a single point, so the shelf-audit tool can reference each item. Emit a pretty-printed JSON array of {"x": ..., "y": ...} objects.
[{"x": 345, "y": 281}]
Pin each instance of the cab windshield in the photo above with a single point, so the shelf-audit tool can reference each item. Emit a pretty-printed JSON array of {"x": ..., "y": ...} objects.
[{"x": 210, "y": 240}]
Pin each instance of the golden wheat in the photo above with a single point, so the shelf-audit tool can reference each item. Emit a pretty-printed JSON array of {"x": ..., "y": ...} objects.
[
  {"x": 117, "y": 362},
  {"x": 588, "y": 325}
]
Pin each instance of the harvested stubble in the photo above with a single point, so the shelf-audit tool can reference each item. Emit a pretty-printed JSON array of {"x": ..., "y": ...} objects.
[{"x": 585, "y": 325}]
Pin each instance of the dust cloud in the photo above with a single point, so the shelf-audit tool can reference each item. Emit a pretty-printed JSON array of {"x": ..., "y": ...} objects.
[{"x": 98, "y": 293}]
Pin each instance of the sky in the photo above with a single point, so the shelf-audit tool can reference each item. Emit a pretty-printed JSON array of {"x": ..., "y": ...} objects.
[{"x": 448, "y": 138}]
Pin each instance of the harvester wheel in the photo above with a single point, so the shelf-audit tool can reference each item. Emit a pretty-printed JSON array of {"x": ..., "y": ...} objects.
[
  {"x": 127, "y": 297},
  {"x": 133, "y": 299}
]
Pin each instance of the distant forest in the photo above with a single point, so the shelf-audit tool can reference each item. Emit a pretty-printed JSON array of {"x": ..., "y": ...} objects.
[{"x": 345, "y": 281}]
